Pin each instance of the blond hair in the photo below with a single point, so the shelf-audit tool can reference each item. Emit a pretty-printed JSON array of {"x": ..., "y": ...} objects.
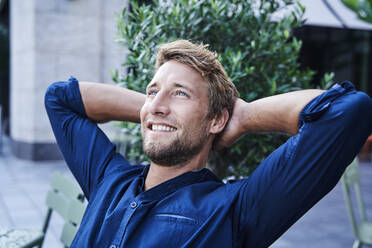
[{"x": 222, "y": 92}]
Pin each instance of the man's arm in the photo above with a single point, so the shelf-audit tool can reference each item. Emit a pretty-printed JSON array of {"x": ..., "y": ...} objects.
[
  {"x": 275, "y": 113},
  {"x": 279, "y": 113},
  {"x": 104, "y": 102},
  {"x": 87, "y": 151},
  {"x": 332, "y": 127}
]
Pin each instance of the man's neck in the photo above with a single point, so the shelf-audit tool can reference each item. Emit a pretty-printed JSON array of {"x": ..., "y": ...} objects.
[{"x": 158, "y": 174}]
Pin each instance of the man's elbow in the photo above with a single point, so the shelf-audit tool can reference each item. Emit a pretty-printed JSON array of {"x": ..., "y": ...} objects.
[
  {"x": 358, "y": 112},
  {"x": 50, "y": 96}
]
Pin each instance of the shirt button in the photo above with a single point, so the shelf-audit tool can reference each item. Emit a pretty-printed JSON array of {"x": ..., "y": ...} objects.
[{"x": 133, "y": 205}]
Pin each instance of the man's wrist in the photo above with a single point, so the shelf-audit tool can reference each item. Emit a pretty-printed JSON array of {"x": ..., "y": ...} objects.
[
  {"x": 243, "y": 110},
  {"x": 249, "y": 118}
]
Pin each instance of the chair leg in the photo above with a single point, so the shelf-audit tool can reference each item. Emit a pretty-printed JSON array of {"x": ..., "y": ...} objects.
[{"x": 357, "y": 244}]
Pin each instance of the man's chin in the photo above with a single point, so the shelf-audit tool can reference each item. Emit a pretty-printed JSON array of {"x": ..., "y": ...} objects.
[
  {"x": 163, "y": 159},
  {"x": 166, "y": 155},
  {"x": 159, "y": 146}
]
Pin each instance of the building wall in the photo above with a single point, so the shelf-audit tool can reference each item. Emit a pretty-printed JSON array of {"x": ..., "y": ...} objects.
[
  {"x": 50, "y": 41},
  {"x": 345, "y": 52}
]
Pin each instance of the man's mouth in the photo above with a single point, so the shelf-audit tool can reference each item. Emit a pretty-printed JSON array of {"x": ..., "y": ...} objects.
[{"x": 161, "y": 127}]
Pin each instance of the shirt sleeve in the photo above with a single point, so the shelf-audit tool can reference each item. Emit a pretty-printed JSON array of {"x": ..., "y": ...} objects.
[
  {"x": 86, "y": 149},
  {"x": 333, "y": 128}
]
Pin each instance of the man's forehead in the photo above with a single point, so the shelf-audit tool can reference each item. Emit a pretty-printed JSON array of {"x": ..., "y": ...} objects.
[{"x": 177, "y": 74}]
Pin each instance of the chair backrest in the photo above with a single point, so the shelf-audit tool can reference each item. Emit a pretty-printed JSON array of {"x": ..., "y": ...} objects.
[
  {"x": 349, "y": 179},
  {"x": 74, "y": 215},
  {"x": 67, "y": 199}
]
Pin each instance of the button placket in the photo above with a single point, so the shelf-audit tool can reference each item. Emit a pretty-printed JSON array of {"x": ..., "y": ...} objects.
[
  {"x": 125, "y": 221},
  {"x": 133, "y": 204}
]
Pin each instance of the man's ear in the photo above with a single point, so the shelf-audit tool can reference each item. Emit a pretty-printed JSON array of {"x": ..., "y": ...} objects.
[{"x": 219, "y": 122}]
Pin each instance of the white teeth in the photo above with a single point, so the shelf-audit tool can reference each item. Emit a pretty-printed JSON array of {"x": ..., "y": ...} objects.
[{"x": 162, "y": 128}]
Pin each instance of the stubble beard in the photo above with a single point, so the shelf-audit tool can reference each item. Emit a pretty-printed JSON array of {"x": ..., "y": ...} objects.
[{"x": 176, "y": 153}]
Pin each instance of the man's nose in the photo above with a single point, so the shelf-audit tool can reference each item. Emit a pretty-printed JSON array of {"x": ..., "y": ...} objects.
[{"x": 160, "y": 104}]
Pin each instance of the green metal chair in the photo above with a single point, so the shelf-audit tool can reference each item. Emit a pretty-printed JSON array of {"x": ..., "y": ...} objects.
[
  {"x": 65, "y": 198},
  {"x": 362, "y": 229}
]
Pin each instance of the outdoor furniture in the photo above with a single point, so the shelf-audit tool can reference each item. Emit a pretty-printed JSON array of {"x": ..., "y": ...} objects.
[
  {"x": 362, "y": 229},
  {"x": 65, "y": 198}
]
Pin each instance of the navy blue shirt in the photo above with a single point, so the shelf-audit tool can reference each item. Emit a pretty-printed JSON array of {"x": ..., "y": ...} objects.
[{"x": 196, "y": 209}]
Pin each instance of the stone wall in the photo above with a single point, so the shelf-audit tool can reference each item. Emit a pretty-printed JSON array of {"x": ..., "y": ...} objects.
[{"x": 50, "y": 41}]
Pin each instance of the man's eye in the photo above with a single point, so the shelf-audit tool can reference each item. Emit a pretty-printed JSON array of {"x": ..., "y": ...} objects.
[
  {"x": 181, "y": 93},
  {"x": 152, "y": 92}
]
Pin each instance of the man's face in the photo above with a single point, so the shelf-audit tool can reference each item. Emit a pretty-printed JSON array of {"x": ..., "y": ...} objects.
[{"x": 173, "y": 118}]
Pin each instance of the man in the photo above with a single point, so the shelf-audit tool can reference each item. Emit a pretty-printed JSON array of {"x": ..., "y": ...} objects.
[{"x": 175, "y": 201}]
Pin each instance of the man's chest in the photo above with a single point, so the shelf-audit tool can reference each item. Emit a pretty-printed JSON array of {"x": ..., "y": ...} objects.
[{"x": 181, "y": 219}]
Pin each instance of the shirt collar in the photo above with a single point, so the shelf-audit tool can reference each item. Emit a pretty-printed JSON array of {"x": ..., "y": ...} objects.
[{"x": 162, "y": 190}]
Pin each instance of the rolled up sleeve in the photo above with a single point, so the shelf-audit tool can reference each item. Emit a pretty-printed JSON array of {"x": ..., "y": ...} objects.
[
  {"x": 85, "y": 148},
  {"x": 333, "y": 128}
]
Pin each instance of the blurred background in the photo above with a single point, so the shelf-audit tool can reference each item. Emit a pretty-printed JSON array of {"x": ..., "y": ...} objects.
[{"x": 43, "y": 41}]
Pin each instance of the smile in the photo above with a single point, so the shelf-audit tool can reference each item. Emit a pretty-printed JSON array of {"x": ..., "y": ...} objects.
[{"x": 157, "y": 127}]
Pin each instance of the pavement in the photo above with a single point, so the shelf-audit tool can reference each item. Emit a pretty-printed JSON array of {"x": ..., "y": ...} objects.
[
  {"x": 24, "y": 184},
  {"x": 23, "y": 188}
]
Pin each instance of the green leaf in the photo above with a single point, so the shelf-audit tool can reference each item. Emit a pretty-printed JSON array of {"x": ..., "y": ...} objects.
[
  {"x": 259, "y": 55},
  {"x": 273, "y": 87},
  {"x": 362, "y": 8}
]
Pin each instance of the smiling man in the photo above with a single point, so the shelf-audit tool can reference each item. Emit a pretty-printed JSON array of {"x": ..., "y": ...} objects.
[
  {"x": 175, "y": 201},
  {"x": 174, "y": 124}
]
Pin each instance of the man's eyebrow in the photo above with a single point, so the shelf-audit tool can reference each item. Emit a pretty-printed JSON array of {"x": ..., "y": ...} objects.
[
  {"x": 175, "y": 85},
  {"x": 180, "y": 85},
  {"x": 151, "y": 85}
]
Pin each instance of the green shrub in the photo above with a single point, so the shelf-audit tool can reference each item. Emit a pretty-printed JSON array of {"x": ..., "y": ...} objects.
[
  {"x": 363, "y": 8},
  {"x": 259, "y": 55}
]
